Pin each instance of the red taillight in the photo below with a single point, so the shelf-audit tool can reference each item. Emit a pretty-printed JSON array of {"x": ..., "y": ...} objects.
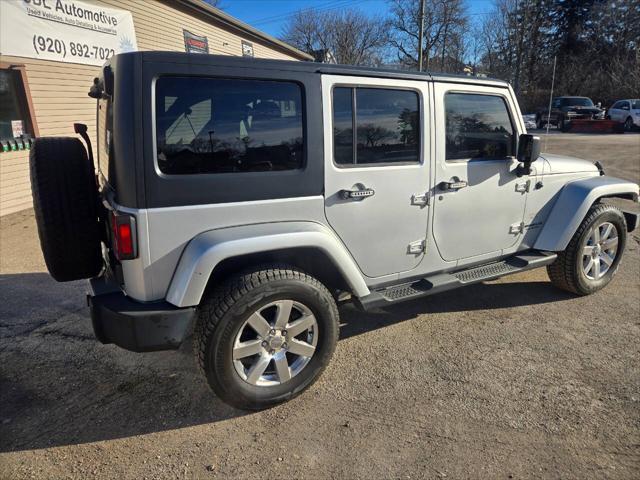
[
  {"x": 125, "y": 240},
  {"x": 123, "y": 227}
]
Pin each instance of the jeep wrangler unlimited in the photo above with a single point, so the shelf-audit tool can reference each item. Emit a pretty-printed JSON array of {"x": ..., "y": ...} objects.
[{"x": 240, "y": 200}]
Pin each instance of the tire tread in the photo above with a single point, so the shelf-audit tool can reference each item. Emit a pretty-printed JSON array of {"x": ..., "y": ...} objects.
[
  {"x": 562, "y": 272},
  {"x": 65, "y": 204},
  {"x": 222, "y": 298}
]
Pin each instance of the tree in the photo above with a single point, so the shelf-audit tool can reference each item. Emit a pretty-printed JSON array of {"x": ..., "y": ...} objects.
[
  {"x": 444, "y": 25},
  {"x": 595, "y": 43},
  {"x": 372, "y": 135},
  {"x": 349, "y": 36}
]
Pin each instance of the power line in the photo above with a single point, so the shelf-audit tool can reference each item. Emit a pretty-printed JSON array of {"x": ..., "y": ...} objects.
[{"x": 280, "y": 16}]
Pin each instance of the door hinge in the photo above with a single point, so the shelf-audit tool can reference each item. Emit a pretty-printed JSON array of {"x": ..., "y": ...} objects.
[
  {"x": 420, "y": 199},
  {"x": 417, "y": 247},
  {"x": 523, "y": 187},
  {"x": 516, "y": 228}
]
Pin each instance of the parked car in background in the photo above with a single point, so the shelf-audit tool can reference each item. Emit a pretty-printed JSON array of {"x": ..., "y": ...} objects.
[
  {"x": 626, "y": 112},
  {"x": 529, "y": 120},
  {"x": 565, "y": 109}
]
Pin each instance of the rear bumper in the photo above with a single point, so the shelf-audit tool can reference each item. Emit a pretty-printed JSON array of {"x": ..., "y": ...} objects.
[{"x": 137, "y": 326}]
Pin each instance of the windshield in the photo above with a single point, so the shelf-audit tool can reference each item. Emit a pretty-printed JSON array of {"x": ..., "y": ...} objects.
[{"x": 577, "y": 102}]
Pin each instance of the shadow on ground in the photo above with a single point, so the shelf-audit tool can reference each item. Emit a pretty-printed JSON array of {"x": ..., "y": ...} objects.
[{"x": 59, "y": 386}]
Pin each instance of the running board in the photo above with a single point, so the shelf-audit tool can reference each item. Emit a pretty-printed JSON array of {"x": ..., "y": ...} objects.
[{"x": 447, "y": 281}]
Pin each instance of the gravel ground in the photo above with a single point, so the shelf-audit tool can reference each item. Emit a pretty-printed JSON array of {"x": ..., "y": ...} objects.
[{"x": 507, "y": 379}]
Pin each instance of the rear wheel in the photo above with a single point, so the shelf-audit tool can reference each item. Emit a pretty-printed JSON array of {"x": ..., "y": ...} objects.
[
  {"x": 265, "y": 336},
  {"x": 593, "y": 254},
  {"x": 65, "y": 200},
  {"x": 628, "y": 124}
]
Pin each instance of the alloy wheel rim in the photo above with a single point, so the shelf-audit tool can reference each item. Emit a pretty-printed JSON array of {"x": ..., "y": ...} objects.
[
  {"x": 275, "y": 343},
  {"x": 600, "y": 250}
]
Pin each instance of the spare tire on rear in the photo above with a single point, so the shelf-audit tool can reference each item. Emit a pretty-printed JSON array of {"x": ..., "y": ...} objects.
[{"x": 65, "y": 199}]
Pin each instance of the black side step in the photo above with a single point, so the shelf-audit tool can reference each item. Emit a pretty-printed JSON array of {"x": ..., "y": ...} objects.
[{"x": 447, "y": 281}]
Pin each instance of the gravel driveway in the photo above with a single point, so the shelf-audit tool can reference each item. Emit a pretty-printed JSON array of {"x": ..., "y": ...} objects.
[{"x": 507, "y": 379}]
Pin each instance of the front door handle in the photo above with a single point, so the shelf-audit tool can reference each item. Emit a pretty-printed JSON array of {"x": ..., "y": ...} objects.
[
  {"x": 453, "y": 185},
  {"x": 357, "y": 194}
]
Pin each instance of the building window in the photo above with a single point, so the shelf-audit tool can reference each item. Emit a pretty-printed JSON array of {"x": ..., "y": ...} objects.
[
  {"x": 16, "y": 113},
  {"x": 386, "y": 122},
  {"x": 215, "y": 125},
  {"x": 478, "y": 127}
]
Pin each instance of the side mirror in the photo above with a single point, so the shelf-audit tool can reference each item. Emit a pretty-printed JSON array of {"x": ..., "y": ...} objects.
[{"x": 528, "y": 152}]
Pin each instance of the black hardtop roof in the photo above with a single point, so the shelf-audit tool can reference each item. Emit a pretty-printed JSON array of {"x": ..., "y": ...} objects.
[{"x": 309, "y": 67}]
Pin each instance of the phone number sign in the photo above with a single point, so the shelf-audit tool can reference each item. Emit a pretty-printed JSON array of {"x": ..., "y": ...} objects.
[{"x": 64, "y": 31}]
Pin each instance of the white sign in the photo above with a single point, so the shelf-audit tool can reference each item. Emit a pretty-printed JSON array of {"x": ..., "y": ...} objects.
[{"x": 64, "y": 31}]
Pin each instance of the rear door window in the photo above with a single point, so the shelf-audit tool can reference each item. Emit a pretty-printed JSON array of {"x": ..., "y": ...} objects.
[
  {"x": 478, "y": 127},
  {"x": 386, "y": 122},
  {"x": 214, "y": 125}
]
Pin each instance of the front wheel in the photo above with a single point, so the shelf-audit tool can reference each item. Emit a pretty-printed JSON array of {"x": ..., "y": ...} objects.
[
  {"x": 563, "y": 125},
  {"x": 265, "y": 336},
  {"x": 593, "y": 254}
]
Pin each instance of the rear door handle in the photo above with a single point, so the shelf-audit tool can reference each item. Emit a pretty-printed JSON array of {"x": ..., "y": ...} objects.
[
  {"x": 453, "y": 185},
  {"x": 357, "y": 194}
]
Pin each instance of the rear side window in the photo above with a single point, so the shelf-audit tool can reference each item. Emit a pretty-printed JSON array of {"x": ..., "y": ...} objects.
[
  {"x": 477, "y": 126},
  {"x": 213, "y": 125},
  {"x": 386, "y": 123},
  {"x": 105, "y": 126}
]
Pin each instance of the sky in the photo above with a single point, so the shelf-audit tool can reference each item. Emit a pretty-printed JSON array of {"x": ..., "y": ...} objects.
[{"x": 270, "y": 16}]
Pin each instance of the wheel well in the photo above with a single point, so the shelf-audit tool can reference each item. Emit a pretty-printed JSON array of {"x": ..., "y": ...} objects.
[
  {"x": 626, "y": 196},
  {"x": 313, "y": 261},
  {"x": 630, "y": 217}
]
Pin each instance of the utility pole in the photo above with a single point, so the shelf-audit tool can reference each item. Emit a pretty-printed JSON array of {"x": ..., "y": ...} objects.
[{"x": 421, "y": 35}]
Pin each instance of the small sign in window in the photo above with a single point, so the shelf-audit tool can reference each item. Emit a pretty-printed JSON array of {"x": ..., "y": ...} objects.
[
  {"x": 247, "y": 49},
  {"x": 195, "y": 43},
  {"x": 17, "y": 128}
]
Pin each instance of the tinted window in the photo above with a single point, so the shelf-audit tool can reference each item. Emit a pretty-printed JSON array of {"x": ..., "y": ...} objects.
[
  {"x": 635, "y": 104},
  {"x": 343, "y": 125},
  {"x": 105, "y": 126},
  {"x": 206, "y": 125},
  {"x": 617, "y": 105},
  {"x": 577, "y": 102},
  {"x": 387, "y": 126},
  {"x": 477, "y": 126}
]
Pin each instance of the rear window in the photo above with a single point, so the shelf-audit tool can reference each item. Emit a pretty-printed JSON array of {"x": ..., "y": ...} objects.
[
  {"x": 577, "y": 102},
  {"x": 213, "y": 125},
  {"x": 105, "y": 125}
]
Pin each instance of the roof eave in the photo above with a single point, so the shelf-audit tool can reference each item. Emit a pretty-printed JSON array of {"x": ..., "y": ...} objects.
[{"x": 233, "y": 22}]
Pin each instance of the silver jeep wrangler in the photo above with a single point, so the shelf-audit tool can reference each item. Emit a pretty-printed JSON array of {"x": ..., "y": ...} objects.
[{"x": 241, "y": 200}]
